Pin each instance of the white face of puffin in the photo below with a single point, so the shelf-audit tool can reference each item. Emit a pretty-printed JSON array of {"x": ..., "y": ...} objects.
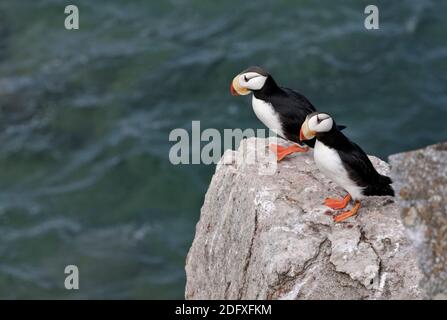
[
  {"x": 321, "y": 122},
  {"x": 316, "y": 123},
  {"x": 244, "y": 83}
]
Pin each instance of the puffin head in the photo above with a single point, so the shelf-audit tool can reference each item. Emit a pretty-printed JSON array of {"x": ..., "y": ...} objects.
[
  {"x": 248, "y": 80},
  {"x": 317, "y": 122}
]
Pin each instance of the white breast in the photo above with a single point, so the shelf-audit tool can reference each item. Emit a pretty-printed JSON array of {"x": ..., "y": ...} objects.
[
  {"x": 329, "y": 162},
  {"x": 268, "y": 116}
]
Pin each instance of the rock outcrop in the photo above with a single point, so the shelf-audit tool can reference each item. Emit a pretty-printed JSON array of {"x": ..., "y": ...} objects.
[
  {"x": 269, "y": 236},
  {"x": 421, "y": 183}
]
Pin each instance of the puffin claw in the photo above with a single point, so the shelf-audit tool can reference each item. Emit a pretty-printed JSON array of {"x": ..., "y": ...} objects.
[
  {"x": 337, "y": 204},
  {"x": 275, "y": 148},
  {"x": 345, "y": 215},
  {"x": 282, "y": 152}
]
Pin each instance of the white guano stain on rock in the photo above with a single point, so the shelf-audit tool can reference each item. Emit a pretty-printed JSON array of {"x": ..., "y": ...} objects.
[{"x": 264, "y": 201}]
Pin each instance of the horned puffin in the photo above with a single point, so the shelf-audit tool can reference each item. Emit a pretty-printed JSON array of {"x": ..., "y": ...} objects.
[
  {"x": 282, "y": 110},
  {"x": 344, "y": 162}
]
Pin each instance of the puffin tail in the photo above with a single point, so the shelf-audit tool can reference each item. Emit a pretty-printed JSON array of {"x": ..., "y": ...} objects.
[{"x": 382, "y": 187}]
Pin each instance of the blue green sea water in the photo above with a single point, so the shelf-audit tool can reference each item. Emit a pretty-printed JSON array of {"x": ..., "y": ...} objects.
[{"x": 85, "y": 116}]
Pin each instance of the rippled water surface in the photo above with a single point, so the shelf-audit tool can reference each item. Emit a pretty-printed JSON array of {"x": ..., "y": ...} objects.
[{"x": 85, "y": 117}]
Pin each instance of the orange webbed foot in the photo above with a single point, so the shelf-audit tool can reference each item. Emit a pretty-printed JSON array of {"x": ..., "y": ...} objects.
[
  {"x": 282, "y": 152},
  {"x": 345, "y": 215},
  {"x": 337, "y": 204}
]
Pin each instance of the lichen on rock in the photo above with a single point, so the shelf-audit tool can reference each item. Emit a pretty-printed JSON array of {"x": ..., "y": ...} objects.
[{"x": 421, "y": 183}]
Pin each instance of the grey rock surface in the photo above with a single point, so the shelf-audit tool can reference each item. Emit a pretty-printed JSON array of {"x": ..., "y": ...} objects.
[
  {"x": 421, "y": 183},
  {"x": 269, "y": 236}
]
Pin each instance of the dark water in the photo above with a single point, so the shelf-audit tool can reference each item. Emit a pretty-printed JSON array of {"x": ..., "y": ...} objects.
[{"x": 85, "y": 117}]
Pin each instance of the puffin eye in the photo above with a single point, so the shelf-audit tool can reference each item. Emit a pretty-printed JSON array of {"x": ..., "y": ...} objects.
[{"x": 245, "y": 78}]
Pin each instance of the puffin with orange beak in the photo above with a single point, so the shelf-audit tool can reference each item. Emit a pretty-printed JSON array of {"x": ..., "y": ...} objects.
[
  {"x": 344, "y": 162},
  {"x": 282, "y": 110}
]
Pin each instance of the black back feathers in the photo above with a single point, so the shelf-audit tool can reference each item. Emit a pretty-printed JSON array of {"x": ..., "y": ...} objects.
[
  {"x": 291, "y": 106},
  {"x": 357, "y": 164}
]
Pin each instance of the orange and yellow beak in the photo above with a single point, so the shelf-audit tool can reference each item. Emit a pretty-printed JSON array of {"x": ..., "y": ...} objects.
[
  {"x": 236, "y": 89},
  {"x": 305, "y": 132}
]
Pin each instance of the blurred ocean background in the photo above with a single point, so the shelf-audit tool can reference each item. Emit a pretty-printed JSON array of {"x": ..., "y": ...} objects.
[{"x": 85, "y": 117}]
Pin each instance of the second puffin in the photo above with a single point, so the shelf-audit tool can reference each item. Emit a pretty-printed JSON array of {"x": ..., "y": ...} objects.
[{"x": 344, "y": 162}]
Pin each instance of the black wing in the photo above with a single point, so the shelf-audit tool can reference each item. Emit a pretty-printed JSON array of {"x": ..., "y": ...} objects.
[
  {"x": 358, "y": 165},
  {"x": 293, "y": 109},
  {"x": 301, "y": 100}
]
